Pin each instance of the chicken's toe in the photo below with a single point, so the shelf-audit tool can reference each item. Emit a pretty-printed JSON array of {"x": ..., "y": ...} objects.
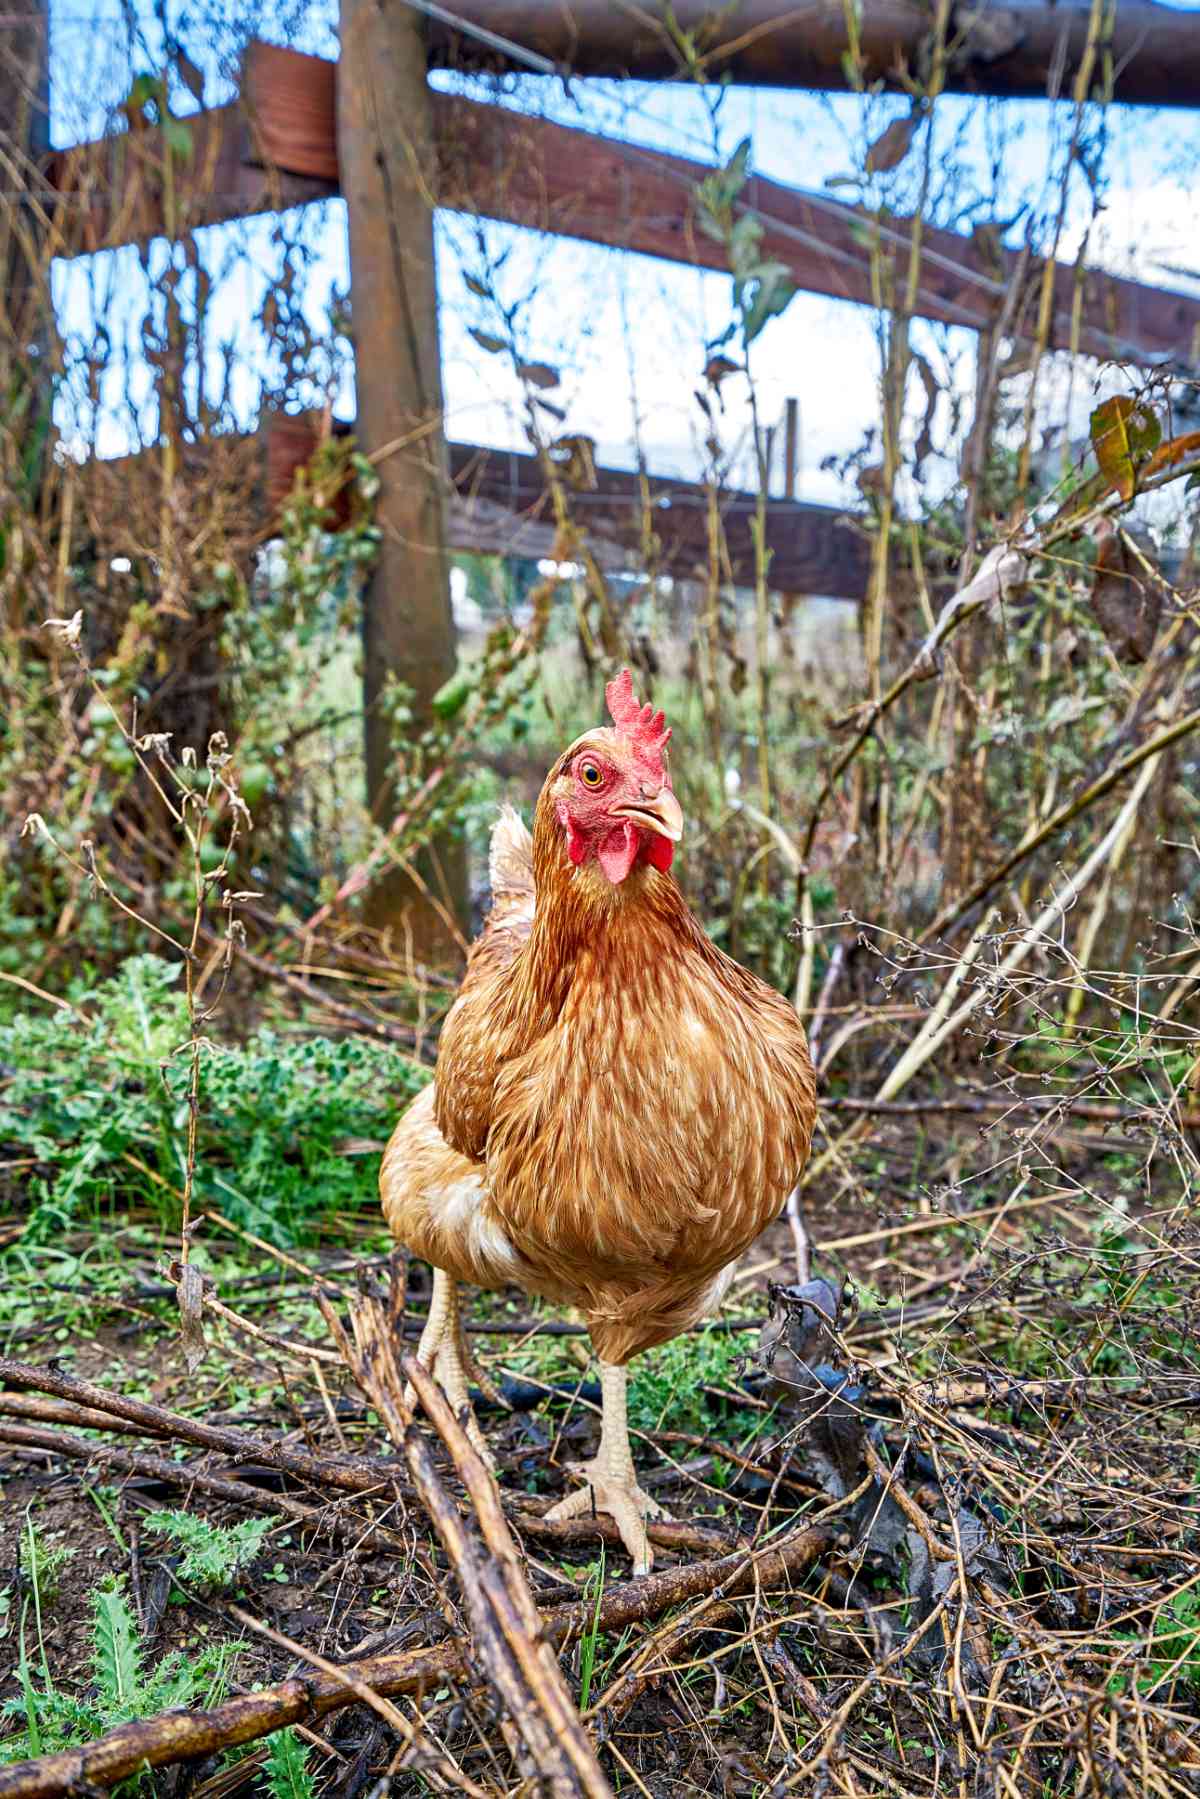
[{"x": 627, "y": 1504}]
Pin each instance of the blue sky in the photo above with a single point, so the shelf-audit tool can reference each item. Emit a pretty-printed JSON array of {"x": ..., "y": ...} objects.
[{"x": 628, "y": 332}]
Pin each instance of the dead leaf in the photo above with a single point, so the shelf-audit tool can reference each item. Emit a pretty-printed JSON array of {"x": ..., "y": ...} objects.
[
  {"x": 1126, "y": 598},
  {"x": 717, "y": 368},
  {"x": 893, "y": 145},
  {"x": 538, "y": 374},
  {"x": 189, "y": 1286},
  {"x": 485, "y": 340},
  {"x": 929, "y": 381},
  {"x": 1125, "y": 433},
  {"x": 1176, "y": 449},
  {"x": 991, "y": 32},
  {"x": 191, "y": 77},
  {"x": 575, "y": 459}
]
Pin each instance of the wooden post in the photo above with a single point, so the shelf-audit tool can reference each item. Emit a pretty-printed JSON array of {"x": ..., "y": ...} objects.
[
  {"x": 385, "y": 158},
  {"x": 26, "y": 312},
  {"x": 24, "y": 140}
]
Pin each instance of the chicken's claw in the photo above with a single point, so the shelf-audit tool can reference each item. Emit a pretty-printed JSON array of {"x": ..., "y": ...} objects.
[{"x": 627, "y": 1504}]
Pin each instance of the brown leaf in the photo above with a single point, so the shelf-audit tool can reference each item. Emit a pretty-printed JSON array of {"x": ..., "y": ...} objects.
[
  {"x": 538, "y": 374},
  {"x": 189, "y": 1287},
  {"x": 929, "y": 381},
  {"x": 1125, "y": 433},
  {"x": 485, "y": 340},
  {"x": 1176, "y": 449},
  {"x": 718, "y": 367},
  {"x": 575, "y": 457},
  {"x": 991, "y": 32},
  {"x": 191, "y": 77},
  {"x": 893, "y": 145},
  {"x": 1126, "y": 598}
]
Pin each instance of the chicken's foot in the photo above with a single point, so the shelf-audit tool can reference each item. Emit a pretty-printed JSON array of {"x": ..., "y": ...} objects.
[
  {"x": 610, "y": 1480},
  {"x": 443, "y": 1349}
]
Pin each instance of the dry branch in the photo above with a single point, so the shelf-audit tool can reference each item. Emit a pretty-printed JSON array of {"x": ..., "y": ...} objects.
[
  {"x": 174, "y": 1736},
  {"x": 939, "y": 1029},
  {"x": 325, "y": 1521},
  {"x": 348, "y": 1474},
  {"x": 506, "y": 1624}
]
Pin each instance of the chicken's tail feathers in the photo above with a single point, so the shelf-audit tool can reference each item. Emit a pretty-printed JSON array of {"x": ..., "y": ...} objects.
[{"x": 510, "y": 863}]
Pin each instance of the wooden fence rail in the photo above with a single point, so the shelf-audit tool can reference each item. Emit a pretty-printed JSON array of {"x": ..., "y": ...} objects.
[{"x": 277, "y": 146}]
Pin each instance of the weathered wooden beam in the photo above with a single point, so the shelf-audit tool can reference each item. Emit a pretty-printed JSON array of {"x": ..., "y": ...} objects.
[
  {"x": 498, "y": 504},
  {"x": 555, "y": 178},
  {"x": 1012, "y": 48},
  {"x": 814, "y": 549},
  {"x": 386, "y": 157},
  {"x": 116, "y": 191},
  {"x": 527, "y": 171}
]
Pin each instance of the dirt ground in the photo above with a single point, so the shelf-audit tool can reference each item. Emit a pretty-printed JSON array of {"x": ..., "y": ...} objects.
[{"x": 961, "y": 1294}]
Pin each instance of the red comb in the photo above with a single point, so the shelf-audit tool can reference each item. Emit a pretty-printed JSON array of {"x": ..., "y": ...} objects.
[{"x": 647, "y": 730}]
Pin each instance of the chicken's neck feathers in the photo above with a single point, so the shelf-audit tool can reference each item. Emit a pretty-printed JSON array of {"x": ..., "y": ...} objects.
[{"x": 623, "y": 942}]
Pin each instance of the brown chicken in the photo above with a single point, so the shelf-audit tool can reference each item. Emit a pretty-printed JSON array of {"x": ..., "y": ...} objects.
[{"x": 618, "y": 1110}]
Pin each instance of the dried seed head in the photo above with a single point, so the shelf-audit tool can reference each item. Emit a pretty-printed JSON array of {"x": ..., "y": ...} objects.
[{"x": 69, "y": 629}]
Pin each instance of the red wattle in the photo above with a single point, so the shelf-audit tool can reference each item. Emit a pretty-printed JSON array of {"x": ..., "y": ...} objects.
[
  {"x": 659, "y": 851},
  {"x": 576, "y": 841},
  {"x": 618, "y": 851}
]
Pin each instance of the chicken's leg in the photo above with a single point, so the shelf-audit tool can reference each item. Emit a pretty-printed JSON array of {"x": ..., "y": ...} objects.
[
  {"x": 443, "y": 1350},
  {"x": 610, "y": 1480}
]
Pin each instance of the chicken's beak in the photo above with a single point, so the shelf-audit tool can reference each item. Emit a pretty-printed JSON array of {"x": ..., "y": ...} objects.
[{"x": 660, "y": 814}]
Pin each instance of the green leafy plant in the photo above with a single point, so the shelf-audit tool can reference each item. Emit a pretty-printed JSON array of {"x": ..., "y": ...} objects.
[
  {"x": 1170, "y": 1656},
  {"x": 93, "y": 1095},
  {"x": 123, "y": 1685},
  {"x": 287, "y": 1772},
  {"x": 669, "y": 1389},
  {"x": 215, "y": 1553},
  {"x": 43, "y": 1561}
]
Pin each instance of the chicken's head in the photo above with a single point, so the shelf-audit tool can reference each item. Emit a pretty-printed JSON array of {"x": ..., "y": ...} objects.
[{"x": 612, "y": 790}]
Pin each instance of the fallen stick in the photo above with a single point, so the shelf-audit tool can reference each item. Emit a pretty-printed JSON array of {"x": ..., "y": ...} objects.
[
  {"x": 321, "y": 1520},
  {"x": 506, "y": 1626},
  {"x": 182, "y": 1736},
  {"x": 350, "y": 1474},
  {"x": 664, "y": 1534},
  {"x": 77, "y": 1417},
  {"x": 679, "y": 1536}
]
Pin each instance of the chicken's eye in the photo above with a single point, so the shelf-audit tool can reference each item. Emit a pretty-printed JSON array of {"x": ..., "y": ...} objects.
[{"x": 590, "y": 775}]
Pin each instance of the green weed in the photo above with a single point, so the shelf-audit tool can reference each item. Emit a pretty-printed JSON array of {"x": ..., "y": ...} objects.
[
  {"x": 591, "y": 1636},
  {"x": 103, "y": 1108},
  {"x": 215, "y": 1553},
  {"x": 667, "y": 1388},
  {"x": 286, "y": 1769},
  {"x": 1170, "y": 1656},
  {"x": 124, "y": 1684}
]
